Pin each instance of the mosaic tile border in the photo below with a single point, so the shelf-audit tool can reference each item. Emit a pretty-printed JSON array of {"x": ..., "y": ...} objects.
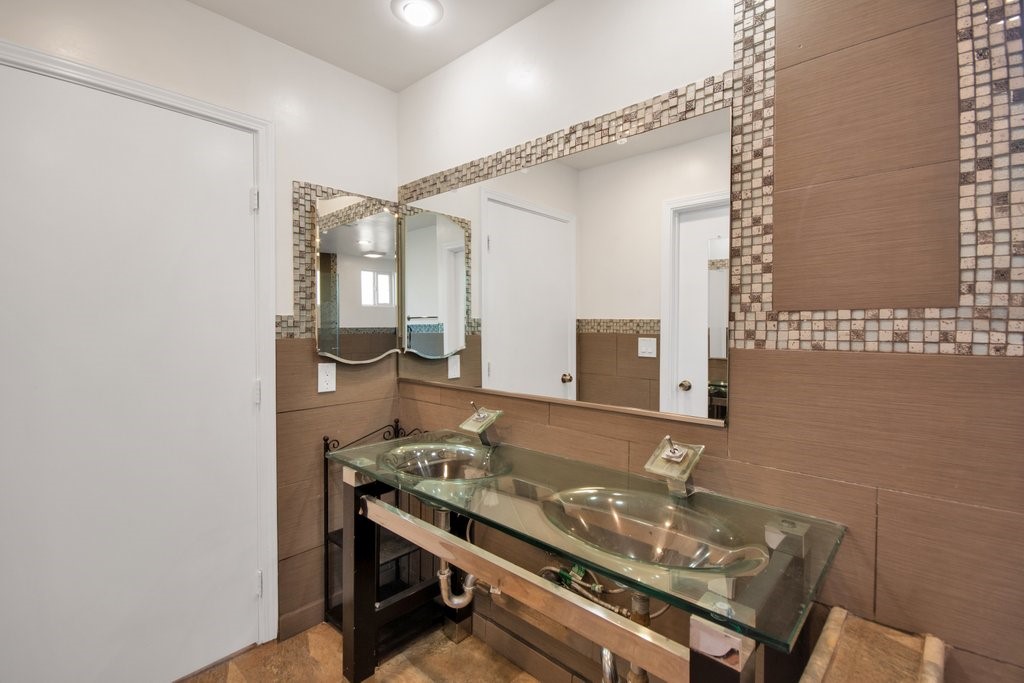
[
  {"x": 714, "y": 93},
  {"x": 618, "y": 326},
  {"x": 368, "y": 330},
  {"x": 302, "y": 323},
  {"x": 990, "y": 317}
]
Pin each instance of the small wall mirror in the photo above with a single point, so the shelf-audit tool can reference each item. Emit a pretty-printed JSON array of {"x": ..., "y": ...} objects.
[
  {"x": 436, "y": 281},
  {"x": 356, "y": 279},
  {"x": 604, "y": 276}
]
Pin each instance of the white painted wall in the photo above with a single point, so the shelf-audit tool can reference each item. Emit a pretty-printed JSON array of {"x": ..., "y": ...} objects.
[
  {"x": 620, "y": 214},
  {"x": 332, "y": 127},
  {"x": 568, "y": 62},
  {"x": 552, "y": 185},
  {"x": 421, "y": 268},
  {"x": 351, "y": 311}
]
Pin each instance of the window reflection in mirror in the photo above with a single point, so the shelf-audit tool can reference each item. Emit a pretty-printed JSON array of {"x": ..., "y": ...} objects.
[
  {"x": 356, "y": 279},
  {"x": 616, "y": 197}
]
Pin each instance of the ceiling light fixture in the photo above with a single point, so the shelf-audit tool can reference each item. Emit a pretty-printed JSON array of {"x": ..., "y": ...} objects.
[
  {"x": 374, "y": 254},
  {"x": 418, "y": 13}
]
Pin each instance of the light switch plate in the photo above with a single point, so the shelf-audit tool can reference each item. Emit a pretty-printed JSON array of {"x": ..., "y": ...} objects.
[
  {"x": 647, "y": 347},
  {"x": 326, "y": 377},
  {"x": 454, "y": 366}
]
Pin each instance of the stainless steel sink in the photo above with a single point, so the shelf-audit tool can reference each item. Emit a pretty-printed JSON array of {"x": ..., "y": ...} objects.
[
  {"x": 655, "y": 529},
  {"x": 445, "y": 461}
]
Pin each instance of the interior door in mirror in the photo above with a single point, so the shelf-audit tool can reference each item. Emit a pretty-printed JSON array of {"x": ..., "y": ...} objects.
[{"x": 435, "y": 270}]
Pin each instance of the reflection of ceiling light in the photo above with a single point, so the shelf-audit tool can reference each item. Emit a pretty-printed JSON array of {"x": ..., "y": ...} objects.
[
  {"x": 417, "y": 13},
  {"x": 365, "y": 243},
  {"x": 374, "y": 254}
]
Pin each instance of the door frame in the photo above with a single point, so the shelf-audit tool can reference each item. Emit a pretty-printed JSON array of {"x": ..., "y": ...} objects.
[
  {"x": 265, "y": 381},
  {"x": 670, "y": 288},
  {"x": 487, "y": 196}
]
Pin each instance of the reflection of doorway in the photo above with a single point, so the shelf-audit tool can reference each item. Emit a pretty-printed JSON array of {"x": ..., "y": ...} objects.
[
  {"x": 528, "y": 297},
  {"x": 690, "y": 225},
  {"x": 454, "y": 308}
]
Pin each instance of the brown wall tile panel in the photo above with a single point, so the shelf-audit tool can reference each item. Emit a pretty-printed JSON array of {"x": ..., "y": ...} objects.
[
  {"x": 967, "y": 667},
  {"x": 840, "y": 116},
  {"x": 515, "y": 408},
  {"x": 300, "y": 581},
  {"x": 296, "y": 378},
  {"x": 851, "y": 580},
  {"x": 629, "y": 364},
  {"x": 595, "y": 353},
  {"x": 888, "y": 240},
  {"x": 419, "y": 392},
  {"x": 637, "y": 428},
  {"x": 300, "y": 434},
  {"x": 946, "y": 426},
  {"x": 300, "y": 517},
  {"x": 610, "y": 390},
  {"x": 953, "y": 570},
  {"x": 806, "y": 29},
  {"x": 411, "y": 366}
]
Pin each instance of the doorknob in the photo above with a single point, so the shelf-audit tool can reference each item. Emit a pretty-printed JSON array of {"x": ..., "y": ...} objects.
[
  {"x": 685, "y": 385},
  {"x": 566, "y": 378}
]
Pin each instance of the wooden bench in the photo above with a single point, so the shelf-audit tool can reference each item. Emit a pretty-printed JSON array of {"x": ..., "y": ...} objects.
[{"x": 854, "y": 650}]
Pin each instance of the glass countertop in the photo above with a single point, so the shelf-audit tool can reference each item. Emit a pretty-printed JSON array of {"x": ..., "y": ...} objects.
[{"x": 753, "y": 568}]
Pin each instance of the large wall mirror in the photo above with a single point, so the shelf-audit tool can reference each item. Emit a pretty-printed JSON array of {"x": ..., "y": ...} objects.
[
  {"x": 603, "y": 276},
  {"x": 356, "y": 279}
]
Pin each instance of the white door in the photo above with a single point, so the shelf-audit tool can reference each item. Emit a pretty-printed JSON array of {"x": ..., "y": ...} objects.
[
  {"x": 691, "y": 227},
  {"x": 128, "y": 425},
  {"x": 528, "y": 302}
]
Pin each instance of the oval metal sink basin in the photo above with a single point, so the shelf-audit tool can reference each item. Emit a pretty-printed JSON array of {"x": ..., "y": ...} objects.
[
  {"x": 654, "y": 529},
  {"x": 445, "y": 461}
]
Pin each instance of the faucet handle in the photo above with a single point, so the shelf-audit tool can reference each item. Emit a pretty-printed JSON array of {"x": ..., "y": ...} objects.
[
  {"x": 672, "y": 451},
  {"x": 674, "y": 461}
]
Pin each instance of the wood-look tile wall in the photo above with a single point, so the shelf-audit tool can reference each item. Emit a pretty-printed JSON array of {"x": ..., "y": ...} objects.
[
  {"x": 866, "y": 175},
  {"x": 610, "y": 372},
  {"x": 365, "y": 399},
  {"x": 412, "y": 366}
]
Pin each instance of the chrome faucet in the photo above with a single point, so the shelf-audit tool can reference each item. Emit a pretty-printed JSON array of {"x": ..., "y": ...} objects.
[
  {"x": 675, "y": 463},
  {"x": 481, "y": 423}
]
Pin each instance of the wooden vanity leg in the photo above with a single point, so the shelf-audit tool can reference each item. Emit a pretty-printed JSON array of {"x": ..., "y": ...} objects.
[{"x": 359, "y": 584}]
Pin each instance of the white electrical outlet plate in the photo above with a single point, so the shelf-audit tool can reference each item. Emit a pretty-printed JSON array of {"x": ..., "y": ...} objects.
[
  {"x": 326, "y": 377},
  {"x": 647, "y": 347},
  {"x": 454, "y": 367}
]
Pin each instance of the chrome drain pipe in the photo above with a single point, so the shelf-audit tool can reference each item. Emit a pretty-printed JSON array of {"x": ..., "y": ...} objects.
[
  {"x": 444, "y": 574},
  {"x": 608, "y": 673}
]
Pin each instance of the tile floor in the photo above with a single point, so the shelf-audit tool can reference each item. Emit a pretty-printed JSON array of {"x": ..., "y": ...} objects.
[{"x": 315, "y": 655}]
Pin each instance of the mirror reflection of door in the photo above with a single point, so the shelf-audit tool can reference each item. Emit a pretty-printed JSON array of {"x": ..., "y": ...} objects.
[
  {"x": 528, "y": 275},
  {"x": 694, "y": 227},
  {"x": 435, "y": 285}
]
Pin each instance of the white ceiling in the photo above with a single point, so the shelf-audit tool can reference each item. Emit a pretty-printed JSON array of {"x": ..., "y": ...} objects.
[{"x": 365, "y": 38}]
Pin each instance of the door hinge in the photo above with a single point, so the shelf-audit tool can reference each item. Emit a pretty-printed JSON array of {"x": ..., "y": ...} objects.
[
  {"x": 257, "y": 392},
  {"x": 254, "y": 199},
  {"x": 488, "y": 368},
  {"x": 259, "y": 583},
  {"x": 488, "y": 243}
]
